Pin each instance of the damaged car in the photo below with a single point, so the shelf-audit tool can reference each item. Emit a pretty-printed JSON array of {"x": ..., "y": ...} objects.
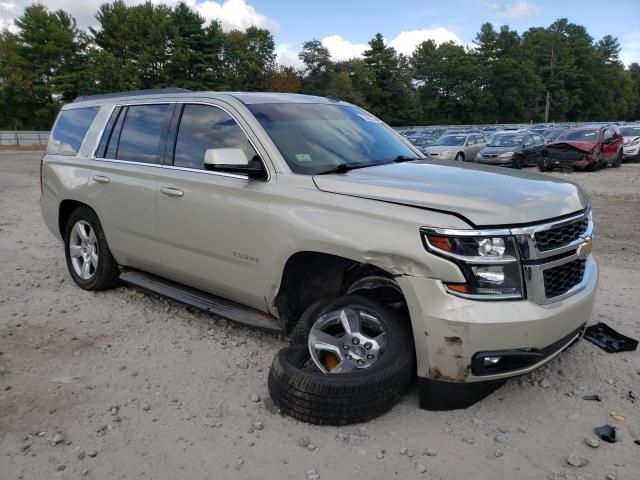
[
  {"x": 310, "y": 217},
  {"x": 631, "y": 148},
  {"x": 584, "y": 148}
]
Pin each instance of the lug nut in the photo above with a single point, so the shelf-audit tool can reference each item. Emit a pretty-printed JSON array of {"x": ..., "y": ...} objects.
[
  {"x": 360, "y": 362},
  {"x": 368, "y": 345},
  {"x": 371, "y": 356},
  {"x": 345, "y": 346},
  {"x": 355, "y": 341},
  {"x": 348, "y": 357}
]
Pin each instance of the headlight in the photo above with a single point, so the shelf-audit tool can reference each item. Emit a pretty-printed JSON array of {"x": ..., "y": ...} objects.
[
  {"x": 506, "y": 155},
  {"x": 488, "y": 261},
  {"x": 635, "y": 142}
]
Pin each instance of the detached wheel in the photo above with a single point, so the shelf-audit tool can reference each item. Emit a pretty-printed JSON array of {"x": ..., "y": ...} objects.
[
  {"x": 89, "y": 260},
  {"x": 358, "y": 361}
]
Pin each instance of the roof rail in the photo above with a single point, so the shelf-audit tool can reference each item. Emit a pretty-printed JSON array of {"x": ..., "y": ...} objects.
[{"x": 132, "y": 93}]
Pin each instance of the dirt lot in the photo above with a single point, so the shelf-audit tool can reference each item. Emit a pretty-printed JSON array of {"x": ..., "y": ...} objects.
[{"x": 128, "y": 385}]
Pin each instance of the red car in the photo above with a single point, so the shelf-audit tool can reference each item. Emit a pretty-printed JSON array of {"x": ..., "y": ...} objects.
[{"x": 585, "y": 148}]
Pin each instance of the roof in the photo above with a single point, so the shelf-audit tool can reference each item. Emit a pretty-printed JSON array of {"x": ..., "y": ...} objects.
[{"x": 248, "y": 98}]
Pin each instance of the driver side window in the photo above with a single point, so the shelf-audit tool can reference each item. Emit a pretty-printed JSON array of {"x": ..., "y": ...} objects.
[
  {"x": 607, "y": 136},
  {"x": 204, "y": 127}
]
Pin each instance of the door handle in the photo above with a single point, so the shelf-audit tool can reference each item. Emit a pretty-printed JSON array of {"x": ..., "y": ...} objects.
[
  {"x": 172, "y": 192},
  {"x": 101, "y": 179}
]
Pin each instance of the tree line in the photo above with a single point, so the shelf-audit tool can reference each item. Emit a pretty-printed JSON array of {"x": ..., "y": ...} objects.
[{"x": 555, "y": 73}]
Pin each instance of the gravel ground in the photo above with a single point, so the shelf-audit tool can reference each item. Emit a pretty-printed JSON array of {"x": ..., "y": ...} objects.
[{"x": 123, "y": 384}]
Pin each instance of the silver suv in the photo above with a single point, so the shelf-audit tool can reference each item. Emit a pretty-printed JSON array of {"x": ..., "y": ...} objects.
[{"x": 302, "y": 214}]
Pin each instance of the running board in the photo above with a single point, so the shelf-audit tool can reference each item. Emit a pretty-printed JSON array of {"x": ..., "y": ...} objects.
[{"x": 202, "y": 300}]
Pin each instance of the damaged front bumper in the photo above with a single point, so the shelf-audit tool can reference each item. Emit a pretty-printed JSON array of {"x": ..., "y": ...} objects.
[
  {"x": 454, "y": 337},
  {"x": 569, "y": 156}
]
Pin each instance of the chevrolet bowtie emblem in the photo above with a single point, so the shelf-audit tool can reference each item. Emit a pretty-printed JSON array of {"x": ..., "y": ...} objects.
[{"x": 584, "y": 250}]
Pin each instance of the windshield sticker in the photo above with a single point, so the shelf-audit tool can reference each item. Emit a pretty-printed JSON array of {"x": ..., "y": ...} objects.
[{"x": 303, "y": 157}]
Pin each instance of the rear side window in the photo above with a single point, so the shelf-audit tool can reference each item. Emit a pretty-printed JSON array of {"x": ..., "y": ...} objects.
[
  {"x": 203, "y": 127},
  {"x": 139, "y": 133},
  {"x": 70, "y": 130}
]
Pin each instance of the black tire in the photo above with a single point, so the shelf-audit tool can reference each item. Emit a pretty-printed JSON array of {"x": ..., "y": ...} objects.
[
  {"x": 105, "y": 276},
  {"x": 460, "y": 157},
  {"x": 618, "y": 161},
  {"x": 302, "y": 391},
  {"x": 516, "y": 162},
  {"x": 300, "y": 332}
]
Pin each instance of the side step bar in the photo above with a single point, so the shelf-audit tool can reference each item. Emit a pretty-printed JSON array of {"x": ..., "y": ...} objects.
[{"x": 202, "y": 300}]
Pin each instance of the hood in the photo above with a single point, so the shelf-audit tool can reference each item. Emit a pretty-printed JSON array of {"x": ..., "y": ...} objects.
[
  {"x": 485, "y": 196},
  {"x": 582, "y": 146},
  {"x": 498, "y": 150},
  {"x": 442, "y": 148}
]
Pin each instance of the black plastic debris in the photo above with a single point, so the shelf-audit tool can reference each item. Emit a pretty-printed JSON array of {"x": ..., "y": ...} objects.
[
  {"x": 632, "y": 396},
  {"x": 637, "y": 442},
  {"x": 608, "y": 339},
  {"x": 593, "y": 397},
  {"x": 606, "y": 433}
]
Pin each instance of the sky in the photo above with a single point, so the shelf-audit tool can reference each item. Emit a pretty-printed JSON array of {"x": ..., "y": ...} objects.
[{"x": 345, "y": 26}]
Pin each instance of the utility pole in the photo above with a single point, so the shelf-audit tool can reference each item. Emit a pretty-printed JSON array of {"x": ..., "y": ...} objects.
[{"x": 552, "y": 66}]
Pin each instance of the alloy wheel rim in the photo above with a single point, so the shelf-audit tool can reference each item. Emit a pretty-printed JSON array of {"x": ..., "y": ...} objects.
[
  {"x": 83, "y": 249},
  {"x": 346, "y": 340}
]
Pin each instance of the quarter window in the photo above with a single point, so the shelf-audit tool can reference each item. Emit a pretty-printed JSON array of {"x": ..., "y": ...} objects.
[
  {"x": 70, "y": 130},
  {"x": 203, "y": 127},
  {"x": 143, "y": 133}
]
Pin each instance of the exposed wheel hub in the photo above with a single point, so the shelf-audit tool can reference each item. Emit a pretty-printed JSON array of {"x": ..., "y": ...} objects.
[{"x": 352, "y": 338}]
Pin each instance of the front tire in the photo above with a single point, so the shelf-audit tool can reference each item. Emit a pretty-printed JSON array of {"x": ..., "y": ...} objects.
[
  {"x": 516, "y": 162},
  {"x": 618, "y": 161},
  {"x": 372, "y": 363},
  {"x": 460, "y": 157},
  {"x": 89, "y": 259}
]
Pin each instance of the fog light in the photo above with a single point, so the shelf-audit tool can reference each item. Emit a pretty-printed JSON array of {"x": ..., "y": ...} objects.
[{"x": 491, "y": 361}]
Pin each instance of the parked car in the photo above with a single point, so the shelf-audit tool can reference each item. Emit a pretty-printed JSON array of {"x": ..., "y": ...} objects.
[
  {"x": 462, "y": 147},
  {"x": 515, "y": 150},
  {"x": 631, "y": 147},
  {"x": 585, "y": 148},
  {"x": 423, "y": 142},
  {"x": 257, "y": 207},
  {"x": 549, "y": 134}
]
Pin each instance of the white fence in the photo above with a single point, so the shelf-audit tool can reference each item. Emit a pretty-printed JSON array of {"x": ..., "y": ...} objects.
[{"x": 23, "y": 138}]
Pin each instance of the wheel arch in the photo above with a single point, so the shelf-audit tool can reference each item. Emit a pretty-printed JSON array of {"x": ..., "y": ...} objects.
[
  {"x": 309, "y": 276},
  {"x": 66, "y": 208}
]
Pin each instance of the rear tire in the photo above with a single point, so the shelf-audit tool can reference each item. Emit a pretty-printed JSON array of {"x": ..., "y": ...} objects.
[{"x": 89, "y": 259}]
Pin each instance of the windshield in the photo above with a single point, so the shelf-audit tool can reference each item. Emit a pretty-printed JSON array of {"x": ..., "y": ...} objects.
[
  {"x": 506, "y": 140},
  {"x": 315, "y": 137},
  {"x": 452, "y": 140},
  {"x": 591, "y": 135},
  {"x": 630, "y": 131}
]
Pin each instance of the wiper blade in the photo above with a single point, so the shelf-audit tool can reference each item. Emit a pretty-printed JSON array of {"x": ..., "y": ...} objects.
[
  {"x": 345, "y": 167},
  {"x": 405, "y": 158}
]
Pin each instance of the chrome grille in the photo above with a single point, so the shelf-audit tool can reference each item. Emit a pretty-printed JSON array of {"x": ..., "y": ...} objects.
[
  {"x": 562, "y": 235},
  {"x": 554, "y": 266},
  {"x": 559, "y": 280}
]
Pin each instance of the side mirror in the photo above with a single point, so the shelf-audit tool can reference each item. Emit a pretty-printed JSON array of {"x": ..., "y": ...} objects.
[{"x": 234, "y": 160}]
